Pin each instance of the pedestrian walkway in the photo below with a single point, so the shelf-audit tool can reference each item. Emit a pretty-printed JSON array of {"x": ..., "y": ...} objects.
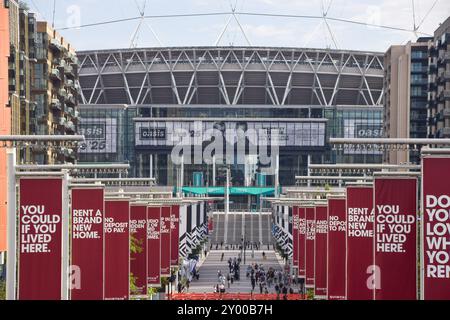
[{"x": 212, "y": 264}]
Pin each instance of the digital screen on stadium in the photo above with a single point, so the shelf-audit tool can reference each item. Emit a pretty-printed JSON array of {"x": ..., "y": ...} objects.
[{"x": 289, "y": 134}]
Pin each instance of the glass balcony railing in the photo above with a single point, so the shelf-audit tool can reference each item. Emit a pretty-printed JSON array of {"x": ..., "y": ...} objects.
[{"x": 419, "y": 81}]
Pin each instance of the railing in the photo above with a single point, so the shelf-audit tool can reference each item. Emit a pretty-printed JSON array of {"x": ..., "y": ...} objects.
[
  {"x": 239, "y": 207},
  {"x": 234, "y": 296}
]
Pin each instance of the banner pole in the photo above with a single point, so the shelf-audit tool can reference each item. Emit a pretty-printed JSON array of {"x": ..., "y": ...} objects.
[
  {"x": 65, "y": 237},
  {"x": 12, "y": 228},
  {"x": 421, "y": 234}
]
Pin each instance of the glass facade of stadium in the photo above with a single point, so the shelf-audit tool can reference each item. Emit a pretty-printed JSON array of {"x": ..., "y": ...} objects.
[
  {"x": 133, "y": 100},
  {"x": 113, "y": 134}
]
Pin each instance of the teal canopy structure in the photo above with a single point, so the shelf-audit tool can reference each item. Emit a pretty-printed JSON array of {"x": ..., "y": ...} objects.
[{"x": 234, "y": 191}]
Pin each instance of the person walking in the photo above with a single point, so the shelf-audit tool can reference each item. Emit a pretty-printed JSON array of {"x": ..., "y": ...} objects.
[
  {"x": 187, "y": 285},
  {"x": 223, "y": 255},
  {"x": 228, "y": 280},
  {"x": 285, "y": 291}
]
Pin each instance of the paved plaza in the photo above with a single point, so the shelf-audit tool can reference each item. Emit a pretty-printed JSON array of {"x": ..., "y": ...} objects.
[{"x": 212, "y": 264}]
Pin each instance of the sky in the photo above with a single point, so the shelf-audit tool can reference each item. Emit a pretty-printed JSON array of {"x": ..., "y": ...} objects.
[{"x": 70, "y": 17}]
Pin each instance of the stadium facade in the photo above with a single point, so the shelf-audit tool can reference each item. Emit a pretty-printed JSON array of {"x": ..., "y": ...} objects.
[{"x": 135, "y": 99}]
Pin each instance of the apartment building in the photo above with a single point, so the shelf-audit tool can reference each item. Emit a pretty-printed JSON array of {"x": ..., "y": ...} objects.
[
  {"x": 439, "y": 83},
  {"x": 5, "y": 118},
  {"x": 55, "y": 92},
  {"x": 405, "y": 96},
  {"x": 38, "y": 90}
]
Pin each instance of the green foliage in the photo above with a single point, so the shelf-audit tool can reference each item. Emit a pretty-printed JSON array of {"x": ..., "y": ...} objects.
[
  {"x": 151, "y": 291},
  {"x": 310, "y": 294},
  {"x": 133, "y": 287},
  {"x": 164, "y": 283},
  {"x": 135, "y": 247},
  {"x": 2, "y": 290}
]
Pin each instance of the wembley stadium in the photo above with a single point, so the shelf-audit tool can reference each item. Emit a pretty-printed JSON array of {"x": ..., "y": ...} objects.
[
  {"x": 134, "y": 98},
  {"x": 231, "y": 76}
]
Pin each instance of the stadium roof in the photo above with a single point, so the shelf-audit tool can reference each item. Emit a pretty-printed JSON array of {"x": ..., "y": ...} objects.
[{"x": 231, "y": 76}]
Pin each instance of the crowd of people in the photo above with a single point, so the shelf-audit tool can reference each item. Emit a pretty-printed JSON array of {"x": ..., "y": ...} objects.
[
  {"x": 234, "y": 274},
  {"x": 264, "y": 280}
]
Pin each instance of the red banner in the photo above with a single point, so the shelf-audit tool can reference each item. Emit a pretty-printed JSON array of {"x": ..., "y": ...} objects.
[
  {"x": 310, "y": 217},
  {"x": 337, "y": 226},
  {"x": 301, "y": 242},
  {"x": 88, "y": 243},
  {"x": 117, "y": 249},
  {"x": 395, "y": 245},
  {"x": 360, "y": 239},
  {"x": 165, "y": 241},
  {"x": 40, "y": 239},
  {"x": 295, "y": 236},
  {"x": 436, "y": 228},
  {"x": 138, "y": 259},
  {"x": 320, "y": 252},
  {"x": 154, "y": 246},
  {"x": 174, "y": 235}
]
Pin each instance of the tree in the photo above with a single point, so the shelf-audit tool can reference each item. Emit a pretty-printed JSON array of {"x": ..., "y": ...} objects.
[
  {"x": 135, "y": 247},
  {"x": 2, "y": 290}
]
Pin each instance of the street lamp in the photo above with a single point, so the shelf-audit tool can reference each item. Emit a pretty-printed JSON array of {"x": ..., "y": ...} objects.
[{"x": 243, "y": 250}]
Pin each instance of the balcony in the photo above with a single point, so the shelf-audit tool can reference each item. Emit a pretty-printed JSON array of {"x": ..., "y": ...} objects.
[
  {"x": 447, "y": 95},
  {"x": 69, "y": 71},
  {"x": 419, "y": 55},
  {"x": 432, "y": 121},
  {"x": 40, "y": 85},
  {"x": 447, "y": 75},
  {"x": 421, "y": 82},
  {"x": 446, "y": 113},
  {"x": 70, "y": 84},
  {"x": 55, "y": 44},
  {"x": 61, "y": 121},
  {"x": 72, "y": 57},
  {"x": 423, "y": 69},
  {"x": 418, "y": 94},
  {"x": 43, "y": 119},
  {"x": 70, "y": 126},
  {"x": 432, "y": 68},
  {"x": 56, "y": 105},
  {"x": 62, "y": 93},
  {"x": 444, "y": 132},
  {"x": 70, "y": 111},
  {"x": 440, "y": 76},
  {"x": 447, "y": 56},
  {"x": 55, "y": 74},
  {"x": 432, "y": 52},
  {"x": 70, "y": 100}
]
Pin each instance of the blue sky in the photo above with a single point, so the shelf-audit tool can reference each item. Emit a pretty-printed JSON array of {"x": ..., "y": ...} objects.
[{"x": 260, "y": 31}]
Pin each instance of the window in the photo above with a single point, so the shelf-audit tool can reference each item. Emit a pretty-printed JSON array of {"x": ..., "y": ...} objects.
[
  {"x": 417, "y": 91},
  {"x": 416, "y": 67}
]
